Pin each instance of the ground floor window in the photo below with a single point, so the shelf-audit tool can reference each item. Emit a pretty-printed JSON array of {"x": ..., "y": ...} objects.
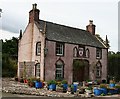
[
  {"x": 37, "y": 70},
  {"x": 59, "y": 70},
  {"x": 98, "y": 69}
]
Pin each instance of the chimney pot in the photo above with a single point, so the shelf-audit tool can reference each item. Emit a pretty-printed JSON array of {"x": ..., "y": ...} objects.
[
  {"x": 35, "y": 6},
  {"x": 91, "y": 22}
]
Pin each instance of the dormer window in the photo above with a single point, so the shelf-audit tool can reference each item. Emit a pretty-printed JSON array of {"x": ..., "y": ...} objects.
[
  {"x": 59, "y": 49},
  {"x": 38, "y": 48},
  {"x": 98, "y": 53}
]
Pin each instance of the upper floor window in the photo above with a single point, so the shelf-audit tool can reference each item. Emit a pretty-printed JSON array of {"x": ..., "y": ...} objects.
[
  {"x": 98, "y": 53},
  {"x": 87, "y": 53},
  {"x": 38, "y": 48},
  {"x": 75, "y": 52},
  {"x": 59, "y": 49}
]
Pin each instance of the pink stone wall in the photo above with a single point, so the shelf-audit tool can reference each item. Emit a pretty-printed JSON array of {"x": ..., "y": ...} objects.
[{"x": 51, "y": 59}]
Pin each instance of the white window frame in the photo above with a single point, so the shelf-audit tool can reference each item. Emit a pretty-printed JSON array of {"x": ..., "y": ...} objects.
[
  {"x": 37, "y": 70},
  {"x": 98, "y": 70},
  {"x": 59, "y": 73},
  {"x": 98, "y": 53},
  {"x": 60, "y": 49}
]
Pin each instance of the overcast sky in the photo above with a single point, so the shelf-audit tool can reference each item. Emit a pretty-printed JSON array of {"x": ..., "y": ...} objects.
[{"x": 74, "y": 13}]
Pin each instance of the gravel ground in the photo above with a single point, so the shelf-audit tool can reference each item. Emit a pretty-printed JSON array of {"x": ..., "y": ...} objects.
[{"x": 11, "y": 86}]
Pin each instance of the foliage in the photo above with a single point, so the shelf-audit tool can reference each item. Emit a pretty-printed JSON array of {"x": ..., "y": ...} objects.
[
  {"x": 52, "y": 82},
  {"x": 103, "y": 86},
  {"x": 117, "y": 86},
  {"x": 113, "y": 65},
  {"x": 112, "y": 81},
  {"x": 78, "y": 64},
  {"x": 9, "y": 57},
  {"x": 38, "y": 80},
  {"x": 71, "y": 86},
  {"x": 64, "y": 82},
  {"x": 89, "y": 88},
  {"x": 31, "y": 81}
]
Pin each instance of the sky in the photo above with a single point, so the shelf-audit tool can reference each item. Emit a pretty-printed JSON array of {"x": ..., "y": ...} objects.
[{"x": 74, "y": 13}]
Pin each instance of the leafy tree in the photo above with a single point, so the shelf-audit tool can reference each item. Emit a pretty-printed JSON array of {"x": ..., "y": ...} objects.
[
  {"x": 114, "y": 65},
  {"x": 9, "y": 57}
]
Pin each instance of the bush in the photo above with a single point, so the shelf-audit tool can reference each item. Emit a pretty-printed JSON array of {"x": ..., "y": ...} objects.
[
  {"x": 52, "y": 82},
  {"x": 64, "y": 82},
  {"x": 103, "y": 86},
  {"x": 117, "y": 86}
]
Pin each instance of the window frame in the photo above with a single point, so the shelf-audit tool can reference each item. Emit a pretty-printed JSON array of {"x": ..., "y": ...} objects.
[
  {"x": 60, "y": 49},
  {"x": 75, "y": 52},
  {"x": 36, "y": 72},
  {"x": 99, "y": 66},
  {"x": 60, "y": 69},
  {"x": 98, "y": 53},
  {"x": 87, "y": 53},
  {"x": 38, "y": 54}
]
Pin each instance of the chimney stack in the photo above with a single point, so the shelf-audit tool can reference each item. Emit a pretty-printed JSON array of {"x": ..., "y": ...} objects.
[
  {"x": 91, "y": 27},
  {"x": 34, "y": 14}
]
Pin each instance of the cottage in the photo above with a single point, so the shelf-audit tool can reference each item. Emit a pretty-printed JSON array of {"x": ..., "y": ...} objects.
[{"x": 52, "y": 51}]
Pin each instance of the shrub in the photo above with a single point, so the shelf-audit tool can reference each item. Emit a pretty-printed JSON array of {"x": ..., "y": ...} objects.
[
  {"x": 52, "y": 82},
  {"x": 64, "y": 82},
  {"x": 117, "y": 86},
  {"x": 89, "y": 88},
  {"x": 112, "y": 81},
  {"x": 103, "y": 86}
]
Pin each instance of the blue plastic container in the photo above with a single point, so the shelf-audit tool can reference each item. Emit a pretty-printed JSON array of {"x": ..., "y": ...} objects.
[
  {"x": 52, "y": 87},
  {"x": 75, "y": 87},
  {"x": 111, "y": 91},
  {"x": 65, "y": 86},
  {"x": 104, "y": 90},
  {"x": 97, "y": 92},
  {"x": 38, "y": 84},
  {"x": 112, "y": 85}
]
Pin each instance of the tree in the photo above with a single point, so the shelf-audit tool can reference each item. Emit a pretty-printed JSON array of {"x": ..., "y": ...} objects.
[
  {"x": 9, "y": 57},
  {"x": 113, "y": 65}
]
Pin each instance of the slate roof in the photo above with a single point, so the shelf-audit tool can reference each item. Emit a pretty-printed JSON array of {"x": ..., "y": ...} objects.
[{"x": 66, "y": 34}]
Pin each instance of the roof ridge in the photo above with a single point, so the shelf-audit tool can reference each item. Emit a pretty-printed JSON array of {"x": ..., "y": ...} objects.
[{"x": 64, "y": 25}]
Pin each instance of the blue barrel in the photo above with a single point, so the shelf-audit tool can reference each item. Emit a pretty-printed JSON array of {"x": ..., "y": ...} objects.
[
  {"x": 38, "y": 84},
  {"x": 75, "y": 87},
  {"x": 111, "y": 91},
  {"x": 97, "y": 92},
  {"x": 112, "y": 85},
  {"x": 104, "y": 90},
  {"x": 52, "y": 87},
  {"x": 65, "y": 86}
]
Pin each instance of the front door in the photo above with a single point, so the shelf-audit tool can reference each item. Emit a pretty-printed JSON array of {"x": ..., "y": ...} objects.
[{"x": 80, "y": 70}]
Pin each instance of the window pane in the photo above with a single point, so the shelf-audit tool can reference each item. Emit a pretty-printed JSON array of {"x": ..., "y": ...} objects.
[
  {"x": 37, "y": 71},
  {"x": 38, "y": 48},
  {"x": 59, "y": 70},
  {"x": 98, "y": 53},
  {"x": 59, "y": 49}
]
